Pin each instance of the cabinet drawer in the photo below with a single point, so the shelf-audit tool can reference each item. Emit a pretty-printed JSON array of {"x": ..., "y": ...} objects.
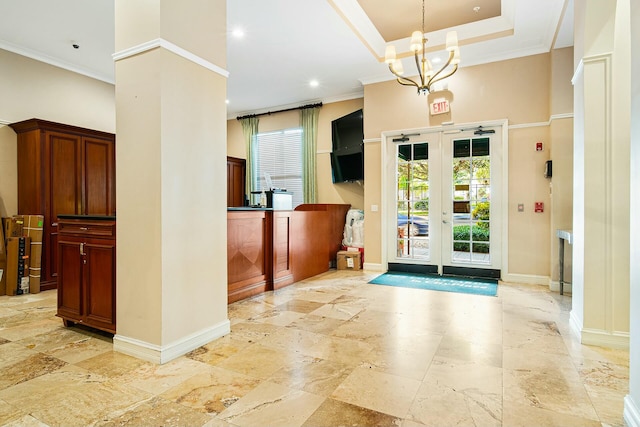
[{"x": 86, "y": 228}]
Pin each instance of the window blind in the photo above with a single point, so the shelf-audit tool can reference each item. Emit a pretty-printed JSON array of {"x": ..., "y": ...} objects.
[{"x": 279, "y": 154}]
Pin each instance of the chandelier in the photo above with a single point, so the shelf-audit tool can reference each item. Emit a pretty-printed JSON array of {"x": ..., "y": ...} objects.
[{"x": 426, "y": 74}]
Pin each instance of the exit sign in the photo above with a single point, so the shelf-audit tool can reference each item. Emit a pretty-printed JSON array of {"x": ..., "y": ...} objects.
[{"x": 439, "y": 106}]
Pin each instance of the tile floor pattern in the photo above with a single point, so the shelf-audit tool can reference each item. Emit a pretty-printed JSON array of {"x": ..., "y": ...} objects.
[{"x": 328, "y": 351}]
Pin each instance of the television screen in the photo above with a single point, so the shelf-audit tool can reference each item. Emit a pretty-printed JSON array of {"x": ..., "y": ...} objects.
[
  {"x": 347, "y": 132},
  {"x": 347, "y": 167}
]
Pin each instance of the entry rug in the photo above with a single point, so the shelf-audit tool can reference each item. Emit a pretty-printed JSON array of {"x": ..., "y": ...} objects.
[{"x": 466, "y": 285}]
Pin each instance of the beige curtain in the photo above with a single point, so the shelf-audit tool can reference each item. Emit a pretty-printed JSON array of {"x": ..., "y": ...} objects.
[
  {"x": 309, "y": 123},
  {"x": 250, "y": 130}
]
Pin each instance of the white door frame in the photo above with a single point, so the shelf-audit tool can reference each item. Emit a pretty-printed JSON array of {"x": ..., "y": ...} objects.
[{"x": 386, "y": 139}]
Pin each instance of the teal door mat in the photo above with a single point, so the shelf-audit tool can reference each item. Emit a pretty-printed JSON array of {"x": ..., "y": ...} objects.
[{"x": 466, "y": 285}]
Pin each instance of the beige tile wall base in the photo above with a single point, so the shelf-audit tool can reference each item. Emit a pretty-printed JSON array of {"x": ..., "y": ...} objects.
[
  {"x": 163, "y": 354},
  {"x": 597, "y": 337},
  {"x": 631, "y": 412}
]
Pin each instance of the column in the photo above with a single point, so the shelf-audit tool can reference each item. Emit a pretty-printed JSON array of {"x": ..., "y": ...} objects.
[
  {"x": 170, "y": 171},
  {"x": 600, "y": 300}
]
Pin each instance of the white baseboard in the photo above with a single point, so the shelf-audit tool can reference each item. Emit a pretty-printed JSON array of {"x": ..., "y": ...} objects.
[
  {"x": 373, "y": 267},
  {"x": 163, "y": 354},
  {"x": 631, "y": 412},
  {"x": 605, "y": 339},
  {"x": 528, "y": 279},
  {"x": 555, "y": 287}
]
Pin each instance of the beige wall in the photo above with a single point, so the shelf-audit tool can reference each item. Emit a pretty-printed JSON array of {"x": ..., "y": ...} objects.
[
  {"x": 32, "y": 89},
  {"x": 328, "y": 192},
  {"x": 517, "y": 90}
]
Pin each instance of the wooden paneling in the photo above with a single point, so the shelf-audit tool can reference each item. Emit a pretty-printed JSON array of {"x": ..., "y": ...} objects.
[
  {"x": 337, "y": 217},
  {"x": 310, "y": 243},
  {"x": 249, "y": 254},
  {"x": 100, "y": 277},
  {"x": 282, "y": 268},
  {"x": 268, "y": 249},
  {"x": 70, "y": 296},
  {"x": 63, "y": 169}
]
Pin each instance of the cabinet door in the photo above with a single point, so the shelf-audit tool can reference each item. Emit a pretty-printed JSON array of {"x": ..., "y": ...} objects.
[
  {"x": 63, "y": 187},
  {"x": 99, "y": 271},
  {"x": 236, "y": 171},
  {"x": 70, "y": 293},
  {"x": 98, "y": 176}
]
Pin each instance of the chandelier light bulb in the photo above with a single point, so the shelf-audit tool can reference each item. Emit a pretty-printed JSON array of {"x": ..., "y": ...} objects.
[
  {"x": 416, "y": 41},
  {"x": 452, "y": 40},
  {"x": 390, "y": 54}
]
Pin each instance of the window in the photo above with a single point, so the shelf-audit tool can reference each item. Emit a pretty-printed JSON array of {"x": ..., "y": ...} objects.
[{"x": 279, "y": 154}]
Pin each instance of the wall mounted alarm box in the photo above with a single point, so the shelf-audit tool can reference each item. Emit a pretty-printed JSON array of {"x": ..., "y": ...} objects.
[{"x": 547, "y": 169}]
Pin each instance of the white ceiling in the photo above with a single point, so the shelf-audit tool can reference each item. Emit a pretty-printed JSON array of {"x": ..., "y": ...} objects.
[{"x": 286, "y": 43}]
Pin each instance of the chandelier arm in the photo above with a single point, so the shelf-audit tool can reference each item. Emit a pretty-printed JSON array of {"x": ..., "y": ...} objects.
[
  {"x": 403, "y": 80},
  {"x": 449, "y": 74},
  {"x": 433, "y": 78}
]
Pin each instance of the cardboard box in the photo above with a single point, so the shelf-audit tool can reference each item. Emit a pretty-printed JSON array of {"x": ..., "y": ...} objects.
[
  {"x": 348, "y": 260},
  {"x": 3, "y": 264},
  {"x": 33, "y": 225},
  {"x": 13, "y": 226},
  {"x": 18, "y": 250}
]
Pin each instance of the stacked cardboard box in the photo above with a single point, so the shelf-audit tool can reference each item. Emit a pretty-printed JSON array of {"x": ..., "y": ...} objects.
[
  {"x": 3, "y": 264},
  {"x": 18, "y": 249},
  {"x": 23, "y": 234},
  {"x": 33, "y": 225},
  {"x": 348, "y": 260}
]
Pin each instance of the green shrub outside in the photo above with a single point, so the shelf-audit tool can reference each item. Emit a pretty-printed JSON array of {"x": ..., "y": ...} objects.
[
  {"x": 481, "y": 212},
  {"x": 480, "y": 234}
]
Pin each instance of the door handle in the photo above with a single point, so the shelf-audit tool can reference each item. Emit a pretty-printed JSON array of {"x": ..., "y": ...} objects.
[{"x": 82, "y": 249}]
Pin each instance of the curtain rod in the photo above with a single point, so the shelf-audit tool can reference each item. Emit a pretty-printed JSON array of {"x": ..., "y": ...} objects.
[{"x": 319, "y": 104}]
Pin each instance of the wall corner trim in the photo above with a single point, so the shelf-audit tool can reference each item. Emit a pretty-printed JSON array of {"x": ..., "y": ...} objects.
[
  {"x": 163, "y": 354},
  {"x": 156, "y": 43},
  {"x": 631, "y": 412}
]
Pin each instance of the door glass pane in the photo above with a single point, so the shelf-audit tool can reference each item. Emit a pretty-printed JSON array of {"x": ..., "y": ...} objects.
[
  {"x": 412, "y": 183},
  {"x": 471, "y": 201}
]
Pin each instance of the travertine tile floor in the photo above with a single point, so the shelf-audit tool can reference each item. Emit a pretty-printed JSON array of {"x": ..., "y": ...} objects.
[{"x": 328, "y": 351}]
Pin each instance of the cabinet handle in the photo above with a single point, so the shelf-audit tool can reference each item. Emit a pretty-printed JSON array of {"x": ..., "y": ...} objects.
[
  {"x": 82, "y": 249},
  {"x": 54, "y": 224},
  {"x": 84, "y": 228}
]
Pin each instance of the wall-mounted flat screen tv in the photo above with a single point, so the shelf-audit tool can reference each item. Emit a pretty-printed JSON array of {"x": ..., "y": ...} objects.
[
  {"x": 347, "y": 167},
  {"x": 347, "y": 157}
]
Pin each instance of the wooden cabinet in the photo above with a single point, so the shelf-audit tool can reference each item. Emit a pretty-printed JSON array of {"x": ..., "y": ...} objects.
[
  {"x": 236, "y": 176},
  {"x": 87, "y": 271},
  {"x": 63, "y": 169}
]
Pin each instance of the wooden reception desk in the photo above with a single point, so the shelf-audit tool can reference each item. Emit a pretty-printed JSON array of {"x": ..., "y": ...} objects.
[{"x": 268, "y": 249}]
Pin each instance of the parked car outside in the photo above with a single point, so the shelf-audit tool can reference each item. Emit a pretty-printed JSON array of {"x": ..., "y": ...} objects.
[{"x": 416, "y": 226}]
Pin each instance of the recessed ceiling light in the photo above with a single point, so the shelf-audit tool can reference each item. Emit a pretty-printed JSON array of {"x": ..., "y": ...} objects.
[
  {"x": 226, "y": 101},
  {"x": 314, "y": 83},
  {"x": 476, "y": 9},
  {"x": 238, "y": 33}
]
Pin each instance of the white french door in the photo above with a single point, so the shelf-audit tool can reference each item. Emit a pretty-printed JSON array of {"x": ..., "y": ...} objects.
[{"x": 444, "y": 199}]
